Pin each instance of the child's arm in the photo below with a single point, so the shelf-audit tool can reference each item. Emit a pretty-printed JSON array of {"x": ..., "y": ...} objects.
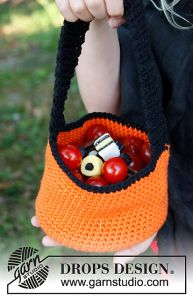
[{"x": 98, "y": 69}]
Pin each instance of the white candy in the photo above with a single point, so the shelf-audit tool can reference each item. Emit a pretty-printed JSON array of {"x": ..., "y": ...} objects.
[
  {"x": 106, "y": 147},
  {"x": 93, "y": 152}
]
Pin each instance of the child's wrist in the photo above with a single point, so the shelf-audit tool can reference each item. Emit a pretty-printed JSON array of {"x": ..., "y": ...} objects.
[
  {"x": 100, "y": 25},
  {"x": 101, "y": 32}
]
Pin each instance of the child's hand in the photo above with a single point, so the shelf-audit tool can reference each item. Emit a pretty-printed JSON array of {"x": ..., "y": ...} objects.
[
  {"x": 133, "y": 251},
  {"x": 87, "y": 10}
]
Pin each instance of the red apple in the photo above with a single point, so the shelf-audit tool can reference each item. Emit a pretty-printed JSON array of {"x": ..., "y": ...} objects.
[
  {"x": 97, "y": 181},
  {"x": 115, "y": 170},
  {"x": 71, "y": 156}
]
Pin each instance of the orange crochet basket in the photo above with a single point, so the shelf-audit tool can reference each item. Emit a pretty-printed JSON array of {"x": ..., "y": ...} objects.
[{"x": 121, "y": 215}]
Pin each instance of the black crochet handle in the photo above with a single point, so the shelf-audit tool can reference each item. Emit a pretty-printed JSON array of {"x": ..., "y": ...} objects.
[{"x": 69, "y": 49}]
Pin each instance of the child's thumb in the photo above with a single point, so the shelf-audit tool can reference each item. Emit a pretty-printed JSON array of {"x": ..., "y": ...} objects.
[{"x": 115, "y": 22}]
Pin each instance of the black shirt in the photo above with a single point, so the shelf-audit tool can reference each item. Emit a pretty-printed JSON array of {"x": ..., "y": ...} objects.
[{"x": 173, "y": 54}]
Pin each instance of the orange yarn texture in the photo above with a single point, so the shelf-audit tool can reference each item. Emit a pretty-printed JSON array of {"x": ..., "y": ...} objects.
[{"x": 101, "y": 222}]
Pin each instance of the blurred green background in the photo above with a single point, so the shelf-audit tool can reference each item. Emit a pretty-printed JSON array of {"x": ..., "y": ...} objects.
[{"x": 29, "y": 36}]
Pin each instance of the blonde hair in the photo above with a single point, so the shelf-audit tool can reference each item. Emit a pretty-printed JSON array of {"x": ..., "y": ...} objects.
[{"x": 168, "y": 8}]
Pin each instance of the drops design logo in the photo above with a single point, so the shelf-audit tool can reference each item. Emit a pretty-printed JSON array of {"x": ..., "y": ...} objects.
[{"x": 27, "y": 267}]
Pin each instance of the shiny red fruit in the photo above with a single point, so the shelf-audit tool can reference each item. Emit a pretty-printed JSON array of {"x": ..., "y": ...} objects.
[
  {"x": 145, "y": 154},
  {"x": 94, "y": 132},
  {"x": 132, "y": 144},
  {"x": 136, "y": 163},
  {"x": 115, "y": 170},
  {"x": 97, "y": 181},
  {"x": 71, "y": 156},
  {"x": 78, "y": 175}
]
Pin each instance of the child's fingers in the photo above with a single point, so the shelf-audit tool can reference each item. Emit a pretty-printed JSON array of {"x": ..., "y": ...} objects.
[
  {"x": 80, "y": 10},
  {"x": 46, "y": 241},
  {"x": 97, "y": 8},
  {"x": 115, "y": 8},
  {"x": 34, "y": 221},
  {"x": 135, "y": 250},
  {"x": 116, "y": 22},
  {"x": 49, "y": 242},
  {"x": 66, "y": 10},
  {"x": 87, "y": 10}
]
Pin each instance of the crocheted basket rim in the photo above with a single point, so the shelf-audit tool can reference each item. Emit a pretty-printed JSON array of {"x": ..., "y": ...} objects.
[{"x": 113, "y": 187}]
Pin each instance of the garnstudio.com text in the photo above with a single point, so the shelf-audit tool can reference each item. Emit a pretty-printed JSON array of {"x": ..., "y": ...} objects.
[
  {"x": 119, "y": 282},
  {"x": 118, "y": 268}
]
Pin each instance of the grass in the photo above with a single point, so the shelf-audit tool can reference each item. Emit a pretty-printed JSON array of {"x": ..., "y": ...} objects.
[{"x": 29, "y": 36}]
